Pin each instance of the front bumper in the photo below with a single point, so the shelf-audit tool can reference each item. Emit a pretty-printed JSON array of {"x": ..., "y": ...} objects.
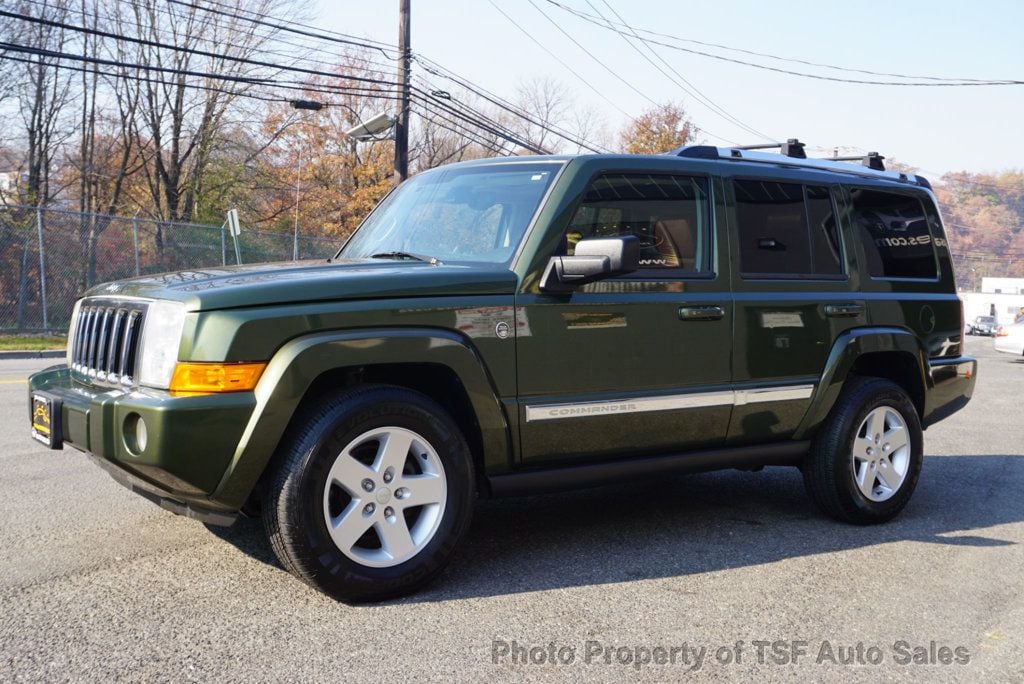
[
  {"x": 191, "y": 440},
  {"x": 951, "y": 384}
]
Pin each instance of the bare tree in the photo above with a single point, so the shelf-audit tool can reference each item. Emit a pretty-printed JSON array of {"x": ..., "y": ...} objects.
[
  {"x": 546, "y": 101},
  {"x": 43, "y": 91},
  {"x": 108, "y": 151},
  {"x": 181, "y": 117}
]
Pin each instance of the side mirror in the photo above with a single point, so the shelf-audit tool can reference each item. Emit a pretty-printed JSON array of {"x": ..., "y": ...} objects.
[{"x": 594, "y": 259}]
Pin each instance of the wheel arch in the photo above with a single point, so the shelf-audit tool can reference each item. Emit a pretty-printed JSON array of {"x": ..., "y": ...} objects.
[
  {"x": 438, "y": 363},
  {"x": 891, "y": 353}
]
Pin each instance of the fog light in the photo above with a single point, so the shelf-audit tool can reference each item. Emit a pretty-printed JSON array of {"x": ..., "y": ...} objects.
[{"x": 135, "y": 434}]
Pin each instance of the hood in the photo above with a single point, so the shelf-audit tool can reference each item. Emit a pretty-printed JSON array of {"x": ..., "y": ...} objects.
[{"x": 225, "y": 287}]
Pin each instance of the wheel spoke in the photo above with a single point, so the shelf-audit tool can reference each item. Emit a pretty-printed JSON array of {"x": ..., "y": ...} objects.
[
  {"x": 395, "y": 538},
  {"x": 896, "y": 438},
  {"x": 392, "y": 452},
  {"x": 348, "y": 527},
  {"x": 866, "y": 479},
  {"x": 349, "y": 473},
  {"x": 887, "y": 474},
  {"x": 423, "y": 490},
  {"x": 875, "y": 423},
  {"x": 861, "y": 446}
]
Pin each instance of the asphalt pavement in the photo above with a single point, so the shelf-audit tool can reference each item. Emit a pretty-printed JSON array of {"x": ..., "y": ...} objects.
[{"x": 730, "y": 576}]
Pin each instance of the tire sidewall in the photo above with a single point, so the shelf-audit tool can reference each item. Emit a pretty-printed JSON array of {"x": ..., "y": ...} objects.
[{"x": 326, "y": 564}]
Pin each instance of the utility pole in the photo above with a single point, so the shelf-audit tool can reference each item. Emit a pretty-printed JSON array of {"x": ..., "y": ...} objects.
[{"x": 404, "y": 67}]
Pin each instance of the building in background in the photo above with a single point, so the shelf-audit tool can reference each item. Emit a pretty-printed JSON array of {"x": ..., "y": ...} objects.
[
  {"x": 999, "y": 297},
  {"x": 1002, "y": 285}
]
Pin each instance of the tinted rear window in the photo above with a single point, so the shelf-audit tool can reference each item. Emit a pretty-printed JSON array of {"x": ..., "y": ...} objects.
[
  {"x": 894, "y": 231},
  {"x": 786, "y": 230}
]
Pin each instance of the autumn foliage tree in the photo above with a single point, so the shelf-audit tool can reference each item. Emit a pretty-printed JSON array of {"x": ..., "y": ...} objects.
[
  {"x": 658, "y": 130},
  {"x": 984, "y": 220}
]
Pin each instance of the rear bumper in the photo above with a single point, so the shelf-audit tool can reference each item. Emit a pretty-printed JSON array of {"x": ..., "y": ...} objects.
[
  {"x": 190, "y": 442},
  {"x": 950, "y": 387}
]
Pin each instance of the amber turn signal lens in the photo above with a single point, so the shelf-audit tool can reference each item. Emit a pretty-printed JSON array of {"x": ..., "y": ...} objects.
[{"x": 207, "y": 378}]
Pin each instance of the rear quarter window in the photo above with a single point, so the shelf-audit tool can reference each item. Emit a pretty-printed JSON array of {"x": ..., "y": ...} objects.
[{"x": 894, "y": 231}]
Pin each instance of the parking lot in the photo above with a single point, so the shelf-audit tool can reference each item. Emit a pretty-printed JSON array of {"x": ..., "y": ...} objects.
[{"x": 97, "y": 583}]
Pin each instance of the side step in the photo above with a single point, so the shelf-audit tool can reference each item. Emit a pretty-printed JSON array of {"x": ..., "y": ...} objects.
[{"x": 558, "y": 478}]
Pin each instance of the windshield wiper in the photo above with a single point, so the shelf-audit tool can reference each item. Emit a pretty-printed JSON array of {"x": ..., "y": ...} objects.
[{"x": 406, "y": 255}]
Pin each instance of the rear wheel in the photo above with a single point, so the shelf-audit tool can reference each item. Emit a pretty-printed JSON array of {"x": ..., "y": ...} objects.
[
  {"x": 866, "y": 458},
  {"x": 372, "y": 494}
]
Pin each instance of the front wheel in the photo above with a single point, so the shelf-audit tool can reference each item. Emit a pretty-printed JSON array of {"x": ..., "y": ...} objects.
[
  {"x": 865, "y": 461},
  {"x": 372, "y": 493}
]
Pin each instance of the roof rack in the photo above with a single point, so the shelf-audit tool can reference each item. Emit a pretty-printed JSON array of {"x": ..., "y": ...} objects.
[
  {"x": 791, "y": 153},
  {"x": 791, "y": 148},
  {"x": 872, "y": 160}
]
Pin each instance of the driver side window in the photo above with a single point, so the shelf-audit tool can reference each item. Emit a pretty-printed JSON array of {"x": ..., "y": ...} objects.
[{"x": 669, "y": 214}]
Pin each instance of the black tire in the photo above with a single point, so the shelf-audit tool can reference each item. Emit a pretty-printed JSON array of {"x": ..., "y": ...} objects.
[
  {"x": 828, "y": 468},
  {"x": 293, "y": 503}
]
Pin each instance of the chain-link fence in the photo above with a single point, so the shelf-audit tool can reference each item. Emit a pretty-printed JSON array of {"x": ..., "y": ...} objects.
[{"x": 49, "y": 256}]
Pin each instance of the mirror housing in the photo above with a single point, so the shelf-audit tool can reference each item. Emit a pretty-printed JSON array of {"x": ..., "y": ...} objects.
[{"x": 594, "y": 259}]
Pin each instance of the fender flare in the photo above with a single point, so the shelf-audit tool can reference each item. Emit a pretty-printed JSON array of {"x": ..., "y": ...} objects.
[
  {"x": 299, "y": 362},
  {"x": 848, "y": 347}
]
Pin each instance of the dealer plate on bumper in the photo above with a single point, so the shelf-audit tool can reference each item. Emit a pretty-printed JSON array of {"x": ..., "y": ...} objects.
[{"x": 46, "y": 426}]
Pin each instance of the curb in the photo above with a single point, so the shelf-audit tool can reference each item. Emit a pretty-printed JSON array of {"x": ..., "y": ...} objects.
[{"x": 54, "y": 354}]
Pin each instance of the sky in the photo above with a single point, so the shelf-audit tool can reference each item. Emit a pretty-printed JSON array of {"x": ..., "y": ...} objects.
[{"x": 978, "y": 129}]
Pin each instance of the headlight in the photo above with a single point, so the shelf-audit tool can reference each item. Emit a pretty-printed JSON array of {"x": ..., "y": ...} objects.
[
  {"x": 72, "y": 328},
  {"x": 161, "y": 337}
]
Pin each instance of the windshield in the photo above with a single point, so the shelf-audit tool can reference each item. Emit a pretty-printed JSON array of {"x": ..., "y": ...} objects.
[
  {"x": 986, "y": 319},
  {"x": 474, "y": 213}
]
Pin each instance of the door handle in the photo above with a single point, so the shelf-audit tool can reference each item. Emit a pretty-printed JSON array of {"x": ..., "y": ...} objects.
[
  {"x": 701, "y": 313},
  {"x": 843, "y": 310}
]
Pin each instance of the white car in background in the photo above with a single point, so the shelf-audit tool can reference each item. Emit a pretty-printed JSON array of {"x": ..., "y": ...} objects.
[{"x": 1010, "y": 339}]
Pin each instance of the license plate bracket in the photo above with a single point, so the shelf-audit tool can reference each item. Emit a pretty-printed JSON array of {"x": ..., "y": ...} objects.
[{"x": 46, "y": 420}]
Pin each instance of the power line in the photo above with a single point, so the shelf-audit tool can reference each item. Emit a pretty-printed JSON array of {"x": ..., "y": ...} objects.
[
  {"x": 144, "y": 79},
  {"x": 192, "y": 51},
  {"x": 605, "y": 66},
  {"x": 246, "y": 80},
  {"x": 285, "y": 25},
  {"x": 592, "y": 56},
  {"x": 457, "y": 128},
  {"x": 695, "y": 92},
  {"x": 584, "y": 15},
  {"x": 492, "y": 127},
  {"x": 930, "y": 84},
  {"x": 437, "y": 70},
  {"x": 560, "y": 61},
  {"x": 509, "y": 134},
  {"x": 305, "y": 47}
]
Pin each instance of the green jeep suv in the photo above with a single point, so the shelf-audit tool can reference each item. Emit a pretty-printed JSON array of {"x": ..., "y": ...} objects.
[{"x": 514, "y": 326}]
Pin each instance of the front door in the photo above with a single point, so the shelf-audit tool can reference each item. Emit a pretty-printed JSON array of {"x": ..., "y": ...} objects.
[{"x": 639, "y": 363}]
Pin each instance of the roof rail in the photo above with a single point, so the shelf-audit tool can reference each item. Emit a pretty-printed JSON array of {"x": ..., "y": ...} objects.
[{"x": 870, "y": 166}]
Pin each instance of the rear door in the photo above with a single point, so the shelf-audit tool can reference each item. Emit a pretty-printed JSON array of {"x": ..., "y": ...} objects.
[{"x": 795, "y": 290}]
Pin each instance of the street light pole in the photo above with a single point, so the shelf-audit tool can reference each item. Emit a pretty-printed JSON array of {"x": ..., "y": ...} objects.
[
  {"x": 404, "y": 67},
  {"x": 298, "y": 181},
  {"x": 311, "y": 106}
]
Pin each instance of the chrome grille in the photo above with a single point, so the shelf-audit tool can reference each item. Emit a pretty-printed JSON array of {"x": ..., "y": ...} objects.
[{"x": 106, "y": 339}]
